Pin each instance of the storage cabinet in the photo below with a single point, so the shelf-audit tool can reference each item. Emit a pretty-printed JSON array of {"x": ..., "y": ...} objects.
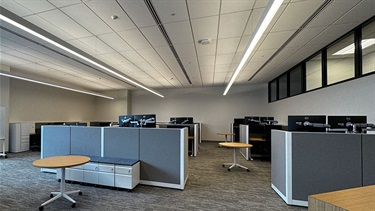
[
  {"x": 121, "y": 173},
  {"x": 127, "y": 176},
  {"x": 19, "y": 137}
]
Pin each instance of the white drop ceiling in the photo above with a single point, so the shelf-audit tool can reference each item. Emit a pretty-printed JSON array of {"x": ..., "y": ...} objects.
[{"x": 134, "y": 45}]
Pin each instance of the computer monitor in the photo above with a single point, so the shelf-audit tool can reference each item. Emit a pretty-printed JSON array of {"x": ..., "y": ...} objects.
[
  {"x": 126, "y": 121},
  {"x": 346, "y": 122},
  {"x": 252, "y": 120},
  {"x": 308, "y": 123},
  {"x": 181, "y": 120},
  {"x": 145, "y": 120}
]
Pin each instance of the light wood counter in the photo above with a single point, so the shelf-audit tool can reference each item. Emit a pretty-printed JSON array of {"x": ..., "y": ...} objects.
[{"x": 354, "y": 199}]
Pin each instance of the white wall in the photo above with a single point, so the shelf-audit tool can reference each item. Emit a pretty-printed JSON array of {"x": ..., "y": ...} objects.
[
  {"x": 207, "y": 105},
  {"x": 216, "y": 112},
  {"x": 30, "y": 102},
  {"x": 356, "y": 97},
  {"x": 4, "y": 102}
]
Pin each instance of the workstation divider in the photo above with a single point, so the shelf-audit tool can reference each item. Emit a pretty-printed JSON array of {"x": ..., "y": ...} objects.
[
  {"x": 306, "y": 163},
  {"x": 162, "y": 152}
]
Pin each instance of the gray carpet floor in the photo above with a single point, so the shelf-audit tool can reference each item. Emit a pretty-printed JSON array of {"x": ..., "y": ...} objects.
[{"x": 209, "y": 187}]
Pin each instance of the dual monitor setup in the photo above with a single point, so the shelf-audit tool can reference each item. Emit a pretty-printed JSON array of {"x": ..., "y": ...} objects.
[
  {"x": 181, "y": 120},
  {"x": 249, "y": 120},
  {"x": 142, "y": 120},
  {"x": 322, "y": 123}
]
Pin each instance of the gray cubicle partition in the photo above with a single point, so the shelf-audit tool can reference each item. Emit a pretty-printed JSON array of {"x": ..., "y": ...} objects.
[
  {"x": 121, "y": 142},
  {"x": 85, "y": 141},
  {"x": 279, "y": 162},
  {"x": 160, "y": 165},
  {"x": 325, "y": 162},
  {"x": 368, "y": 156},
  {"x": 306, "y": 163},
  {"x": 55, "y": 141},
  {"x": 244, "y": 138}
]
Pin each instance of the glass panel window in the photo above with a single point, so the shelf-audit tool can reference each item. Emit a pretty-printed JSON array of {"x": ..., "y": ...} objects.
[
  {"x": 314, "y": 73},
  {"x": 368, "y": 48},
  {"x": 273, "y": 87},
  {"x": 283, "y": 86},
  {"x": 295, "y": 78},
  {"x": 340, "y": 60}
]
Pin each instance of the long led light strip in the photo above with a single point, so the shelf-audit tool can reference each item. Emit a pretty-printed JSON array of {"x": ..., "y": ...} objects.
[
  {"x": 4, "y": 18},
  {"x": 263, "y": 26},
  {"x": 54, "y": 85}
]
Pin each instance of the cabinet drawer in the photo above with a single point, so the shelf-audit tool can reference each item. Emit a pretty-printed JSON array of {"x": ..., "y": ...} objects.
[
  {"x": 123, "y": 181},
  {"x": 91, "y": 166},
  {"x": 106, "y": 168},
  {"x": 123, "y": 170},
  {"x": 90, "y": 177},
  {"x": 107, "y": 179},
  {"x": 74, "y": 174},
  {"x": 25, "y": 146}
]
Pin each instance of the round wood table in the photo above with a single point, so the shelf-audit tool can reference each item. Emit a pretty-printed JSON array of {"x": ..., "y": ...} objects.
[
  {"x": 235, "y": 146},
  {"x": 61, "y": 162}
]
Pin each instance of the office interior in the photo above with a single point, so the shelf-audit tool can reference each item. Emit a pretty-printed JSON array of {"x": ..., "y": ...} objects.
[{"x": 349, "y": 90}]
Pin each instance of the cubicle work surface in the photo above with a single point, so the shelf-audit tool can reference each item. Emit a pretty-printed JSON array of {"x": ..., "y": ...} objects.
[
  {"x": 305, "y": 163},
  {"x": 162, "y": 152}
]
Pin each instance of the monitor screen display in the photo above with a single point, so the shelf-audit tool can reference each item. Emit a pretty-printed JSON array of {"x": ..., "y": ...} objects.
[
  {"x": 345, "y": 121},
  {"x": 296, "y": 123},
  {"x": 252, "y": 120},
  {"x": 145, "y": 120},
  {"x": 181, "y": 120},
  {"x": 126, "y": 121}
]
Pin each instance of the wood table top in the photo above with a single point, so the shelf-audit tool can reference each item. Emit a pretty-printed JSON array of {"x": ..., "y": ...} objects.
[
  {"x": 61, "y": 161},
  {"x": 362, "y": 198},
  {"x": 235, "y": 145},
  {"x": 256, "y": 139},
  {"x": 226, "y": 134}
]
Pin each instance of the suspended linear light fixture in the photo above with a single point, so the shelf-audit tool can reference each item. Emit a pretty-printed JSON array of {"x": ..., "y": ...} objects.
[
  {"x": 10, "y": 75},
  {"x": 24, "y": 28},
  {"x": 269, "y": 13}
]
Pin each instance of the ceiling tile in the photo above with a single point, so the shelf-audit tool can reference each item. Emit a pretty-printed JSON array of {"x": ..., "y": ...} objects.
[
  {"x": 230, "y": 6},
  {"x": 171, "y": 11},
  {"x": 154, "y": 36},
  {"x": 186, "y": 50},
  {"x": 64, "y": 3},
  {"x": 97, "y": 45},
  {"x": 106, "y": 9},
  {"x": 206, "y": 50},
  {"x": 135, "y": 39},
  {"x": 36, "y": 6},
  {"x": 15, "y": 8},
  {"x": 87, "y": 19},
  {"x": 228, "y": 45},
  {"x": 275, "y": 40},
  {"x": 303, "y": 10},
  {"x": 65, "y": 23},
  {"x": 179, "y": 32},
  {"x": 199, "y": 8},
  {"x": 224, "y": 58},
  {"x": 233, "y": 24},
  {"x": 132, "y": 56},
  {"x": 137, "y": 12},
  {"x": 205, "y": 28},
  {"x": 149, "y": 54},
  {"x": 115, "y": 41}
]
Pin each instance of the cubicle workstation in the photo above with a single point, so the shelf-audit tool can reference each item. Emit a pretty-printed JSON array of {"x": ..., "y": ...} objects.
[
  {"x": 305, "y": 163},
  {"x": 161, "y": 152},
  {"x": 257, "y": 132},
  {"x": 194, "y": 131}
]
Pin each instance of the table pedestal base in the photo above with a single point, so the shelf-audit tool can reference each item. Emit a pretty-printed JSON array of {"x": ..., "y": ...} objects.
[
  {"x": 234, "y": 162},
  {"x": 61, "y": 193}
]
